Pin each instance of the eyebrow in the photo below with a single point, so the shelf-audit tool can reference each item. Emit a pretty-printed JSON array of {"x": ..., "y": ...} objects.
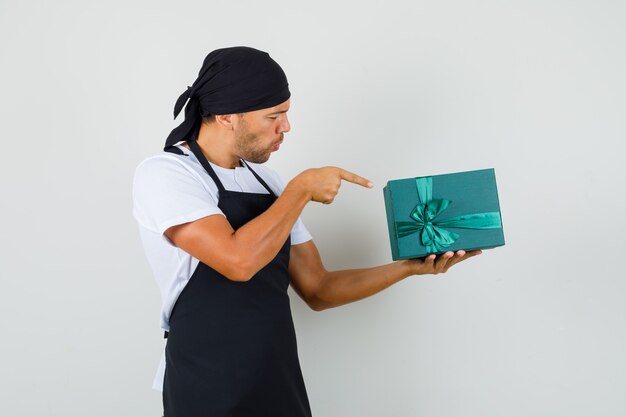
[{"x": 278, "y": 112}]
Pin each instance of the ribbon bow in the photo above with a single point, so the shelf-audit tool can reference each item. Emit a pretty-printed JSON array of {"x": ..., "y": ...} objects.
[{"x": 434, "y": 237}]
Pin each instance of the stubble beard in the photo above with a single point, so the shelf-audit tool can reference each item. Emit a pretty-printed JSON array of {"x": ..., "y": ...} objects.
[{"x": 246, "y": 148}]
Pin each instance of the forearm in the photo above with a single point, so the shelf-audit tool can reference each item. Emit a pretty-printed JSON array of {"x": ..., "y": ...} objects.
[
  {"x": 258, "y": 241},
  {"x": 343, "y": 287}
]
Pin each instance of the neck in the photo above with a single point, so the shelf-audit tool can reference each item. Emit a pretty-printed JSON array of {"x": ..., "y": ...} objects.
[{"x": 217, "y": 146}]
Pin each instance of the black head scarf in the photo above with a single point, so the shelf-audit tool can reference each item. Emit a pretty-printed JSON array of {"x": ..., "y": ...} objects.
[{"x": 232, "y": 80}]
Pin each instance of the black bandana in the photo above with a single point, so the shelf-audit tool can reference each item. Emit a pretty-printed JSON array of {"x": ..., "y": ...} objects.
[{"x": 231, "y": 80}]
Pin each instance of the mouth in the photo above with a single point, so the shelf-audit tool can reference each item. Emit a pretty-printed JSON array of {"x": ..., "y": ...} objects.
[{"x": 277, "y": 145}]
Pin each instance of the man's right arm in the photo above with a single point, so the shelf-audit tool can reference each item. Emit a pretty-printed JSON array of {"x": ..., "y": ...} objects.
[{"x": 240, "y": 254}]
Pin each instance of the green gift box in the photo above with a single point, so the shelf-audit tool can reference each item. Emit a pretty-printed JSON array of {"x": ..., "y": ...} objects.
[{"x": 441, "y": 213}]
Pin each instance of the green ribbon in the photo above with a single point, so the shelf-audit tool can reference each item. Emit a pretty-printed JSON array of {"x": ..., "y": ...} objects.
[{"x": 434, "y": 237}]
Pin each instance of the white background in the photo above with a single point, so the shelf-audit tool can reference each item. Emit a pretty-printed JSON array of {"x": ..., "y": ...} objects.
[{"x": 394, "y": 89}]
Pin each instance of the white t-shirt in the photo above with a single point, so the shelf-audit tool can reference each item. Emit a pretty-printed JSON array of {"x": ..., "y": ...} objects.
[{"x": 170, "y": 189}]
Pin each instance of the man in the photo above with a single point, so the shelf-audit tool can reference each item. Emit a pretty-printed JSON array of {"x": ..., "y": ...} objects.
[{"x": 223, "y": 236}]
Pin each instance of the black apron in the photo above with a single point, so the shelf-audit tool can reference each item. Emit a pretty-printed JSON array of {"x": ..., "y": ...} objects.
[{"x": 231, "y": 348}]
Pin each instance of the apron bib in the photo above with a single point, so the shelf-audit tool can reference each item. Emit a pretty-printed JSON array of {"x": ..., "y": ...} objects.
[{"x": 231, "y": 348}]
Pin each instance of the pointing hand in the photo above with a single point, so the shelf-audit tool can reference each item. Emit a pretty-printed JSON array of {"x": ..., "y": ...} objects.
[{"x": 322, "y": 184}]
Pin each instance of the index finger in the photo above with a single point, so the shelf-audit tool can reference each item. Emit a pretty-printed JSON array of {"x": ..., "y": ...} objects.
[{"x": 354, "y": 178}]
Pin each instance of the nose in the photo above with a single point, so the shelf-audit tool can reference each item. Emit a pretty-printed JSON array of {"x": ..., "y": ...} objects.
[{"x": 285, "y": 126}]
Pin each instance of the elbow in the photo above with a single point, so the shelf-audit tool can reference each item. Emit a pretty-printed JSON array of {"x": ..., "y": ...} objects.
[
  {"x": 317, "y": 304},
  {"x": 239, "y": 274},
  {"x": 315, "y": 294},
  {"x": 241, "y": 270},
  {"x": 317, "y": 307},
  {"x": 232, "y": 269},
  {"x": 241, "y": 277}
]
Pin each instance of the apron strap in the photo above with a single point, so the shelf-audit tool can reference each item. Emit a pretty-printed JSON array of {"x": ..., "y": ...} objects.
[
  {"x": 258, "y": 177},
  {"x": 195, "y": 148}
]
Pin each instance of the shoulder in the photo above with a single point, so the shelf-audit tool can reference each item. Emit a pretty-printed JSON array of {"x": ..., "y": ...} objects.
[
  {"x": 168, "y": 174},
  {"x": 164, "y": 164},
  {"x": 164, "y": 160}
]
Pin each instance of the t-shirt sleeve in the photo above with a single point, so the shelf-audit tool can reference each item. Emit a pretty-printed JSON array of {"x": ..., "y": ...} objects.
[
  {"x": 299, "y": 233},
  {"x": 167, "y": 193}
]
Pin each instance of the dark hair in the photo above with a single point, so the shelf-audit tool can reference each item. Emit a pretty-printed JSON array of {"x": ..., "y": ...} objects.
[{"x": 208, "y": 119}]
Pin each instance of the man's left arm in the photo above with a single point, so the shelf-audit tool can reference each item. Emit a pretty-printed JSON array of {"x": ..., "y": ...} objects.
[{"x": 322, "y": 289}]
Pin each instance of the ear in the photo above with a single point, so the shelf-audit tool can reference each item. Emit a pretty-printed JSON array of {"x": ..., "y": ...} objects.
[{"x": 225, "y": 120}]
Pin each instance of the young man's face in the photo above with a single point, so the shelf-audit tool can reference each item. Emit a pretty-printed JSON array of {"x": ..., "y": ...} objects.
[{"x": 259, "y": 133}]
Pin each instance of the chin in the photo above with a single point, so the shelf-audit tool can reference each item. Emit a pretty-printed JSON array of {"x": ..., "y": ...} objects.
[{"x": 258, "y": 160}]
